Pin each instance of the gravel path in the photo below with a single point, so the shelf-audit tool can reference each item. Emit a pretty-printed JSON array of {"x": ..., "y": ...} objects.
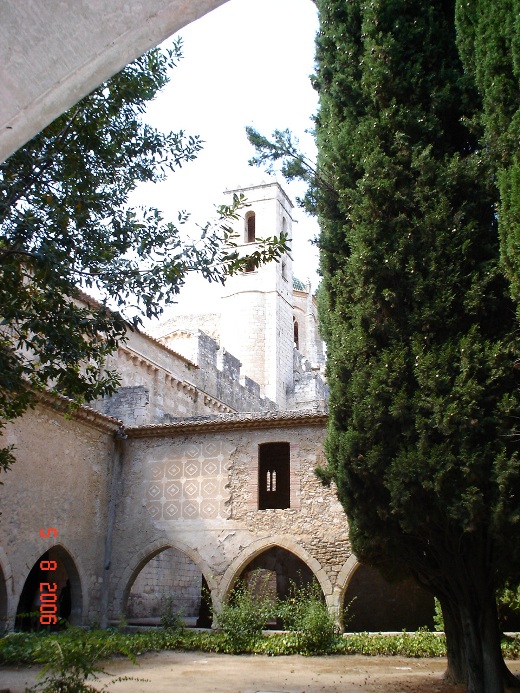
[{"x": 198, "y": 672}]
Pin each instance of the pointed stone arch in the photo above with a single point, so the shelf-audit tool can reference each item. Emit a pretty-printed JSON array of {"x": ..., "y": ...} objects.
[
  {"x": 149, "y": 552},
  {"x": 66, "y": 571},
  {"x": 381, "y": 606},
  {"x": 256, "y": 548}
]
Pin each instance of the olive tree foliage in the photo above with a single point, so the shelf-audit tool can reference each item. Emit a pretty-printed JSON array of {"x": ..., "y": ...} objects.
[
  {"x": 488, "y": 35},
  {"x": 416, "y": 313},
  {"x": 66, "y": 227}
]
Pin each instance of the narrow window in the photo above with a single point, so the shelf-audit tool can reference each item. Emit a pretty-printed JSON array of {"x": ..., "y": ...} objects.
[
  {"x": 274, "y": 476},
  {"x": 250, "y": 227},
  {"x": 296, "y": 337}
]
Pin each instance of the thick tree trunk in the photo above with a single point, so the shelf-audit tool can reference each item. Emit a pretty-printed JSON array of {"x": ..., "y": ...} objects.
[
  {"x": 472, "y": 630},
  {"x": 473, "y": 651},
  {"x": 473, "y": 638},
  {"x": 492, "y": 658},
  {"x": 456, "y": 671}
]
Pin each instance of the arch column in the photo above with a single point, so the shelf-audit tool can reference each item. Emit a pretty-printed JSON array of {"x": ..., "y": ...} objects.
[
  {"x": 344, "y": 577},
  {"x": 6, "y": 575}
]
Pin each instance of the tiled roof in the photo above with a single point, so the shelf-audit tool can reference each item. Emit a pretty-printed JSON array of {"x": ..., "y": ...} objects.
[
  {"x": 65, "y": 405},
  {"x": 277, "y": 419}
]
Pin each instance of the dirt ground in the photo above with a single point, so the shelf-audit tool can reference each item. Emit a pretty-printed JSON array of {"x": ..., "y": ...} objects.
[{"x": 197, "y": 672}]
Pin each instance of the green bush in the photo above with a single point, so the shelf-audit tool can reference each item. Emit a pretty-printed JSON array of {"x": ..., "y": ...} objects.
[
  {"x": 170, "y": 618},
  {"x": 422, "y": 643},
  {"x": 70, "y": 662},
  {"x": 306, "y": 614},
  {"x": 245, "y": 613},
  {"x": 76, "y": 652},
  {"x": 438, "y": 618}
]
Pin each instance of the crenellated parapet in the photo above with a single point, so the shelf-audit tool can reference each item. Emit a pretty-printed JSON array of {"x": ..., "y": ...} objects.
[{"x": 160, "y": 382}]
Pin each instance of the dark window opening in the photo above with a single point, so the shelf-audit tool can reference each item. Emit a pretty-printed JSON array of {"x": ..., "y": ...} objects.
[
  {"x": 296, "y": 337},
  {"x": 250, "y": 227},
  {"x": 274, "y": 476}
]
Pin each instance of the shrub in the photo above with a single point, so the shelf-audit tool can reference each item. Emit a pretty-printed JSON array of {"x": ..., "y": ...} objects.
[
  {"x": 438, "y": 618},
  {"x": 170, "y": 618},
  {"x": 245, "y": 613},
  {"x": 70, "y": 662},
  {"x": 306, "y": 613}
]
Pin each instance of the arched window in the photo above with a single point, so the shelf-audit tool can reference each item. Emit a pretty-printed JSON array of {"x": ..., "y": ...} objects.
[
  {"x": 250, "y": 230},
  {"x": 296, "y": 337},
  {"x": 274, "y": 476}
]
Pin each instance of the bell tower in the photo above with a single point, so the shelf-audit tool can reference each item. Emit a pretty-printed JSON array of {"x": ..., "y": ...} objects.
[{"x": 257, "y": 310}]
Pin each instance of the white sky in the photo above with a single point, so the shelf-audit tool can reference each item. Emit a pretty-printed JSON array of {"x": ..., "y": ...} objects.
[{"x": 246, "y": 63}]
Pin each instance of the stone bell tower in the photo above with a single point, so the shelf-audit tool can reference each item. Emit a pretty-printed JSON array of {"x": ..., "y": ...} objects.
[{"x": 257, "y": 310}]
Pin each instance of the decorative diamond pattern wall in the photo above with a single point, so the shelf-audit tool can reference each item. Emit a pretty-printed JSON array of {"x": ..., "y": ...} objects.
[{"x": 191, "y": 485}]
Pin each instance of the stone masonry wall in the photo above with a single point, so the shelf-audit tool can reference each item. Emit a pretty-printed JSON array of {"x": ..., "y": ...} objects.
[
  {"x": 159, "y": 385},
  {"x": 315, "y": 518},
  {"x": 61, "y": 479},
  {"x": 198, "y": 492},
  {"x": 309, "y": 390},
  {"x": 169, "y": 574}
]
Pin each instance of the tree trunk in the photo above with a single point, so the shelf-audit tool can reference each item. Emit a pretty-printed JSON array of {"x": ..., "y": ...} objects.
[
  {"x": 485, "y": 666},
  {"x": 492, "y": 658},
  {"x": 473, "y": 638},
  {"x": 456, "y": 671},
  {"x": 473, "y": 651}
]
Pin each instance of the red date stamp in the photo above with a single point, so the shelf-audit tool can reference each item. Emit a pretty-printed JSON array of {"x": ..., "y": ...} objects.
[{"x": 48, "y": 597}]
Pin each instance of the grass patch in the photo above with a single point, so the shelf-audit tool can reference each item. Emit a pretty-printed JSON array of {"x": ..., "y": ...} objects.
[{"x": 32, "y": 648}]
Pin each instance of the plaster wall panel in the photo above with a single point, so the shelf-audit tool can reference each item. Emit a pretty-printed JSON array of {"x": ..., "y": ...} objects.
[{"x": 55, "y": 52}]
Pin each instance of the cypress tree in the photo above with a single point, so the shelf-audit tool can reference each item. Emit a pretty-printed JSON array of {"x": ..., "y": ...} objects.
[
  {"x": 489, "y": 43},
  {"x": 419, "y": 324}
]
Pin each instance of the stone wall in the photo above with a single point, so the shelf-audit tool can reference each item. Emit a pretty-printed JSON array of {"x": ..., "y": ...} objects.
[
  {"x": 306, "y": 315},
  {"x": 121, "y": 500},
  {"x": 159, "y": 385},
  {"x": 309, "y": 390},
  {"x": 61, "y": 479},
  {"x": 194, "y": 486},
  {"x": 169, "y": 574}
]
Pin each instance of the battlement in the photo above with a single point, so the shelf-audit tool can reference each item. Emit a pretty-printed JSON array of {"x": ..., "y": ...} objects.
[{"x": 182, "y": 374}]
